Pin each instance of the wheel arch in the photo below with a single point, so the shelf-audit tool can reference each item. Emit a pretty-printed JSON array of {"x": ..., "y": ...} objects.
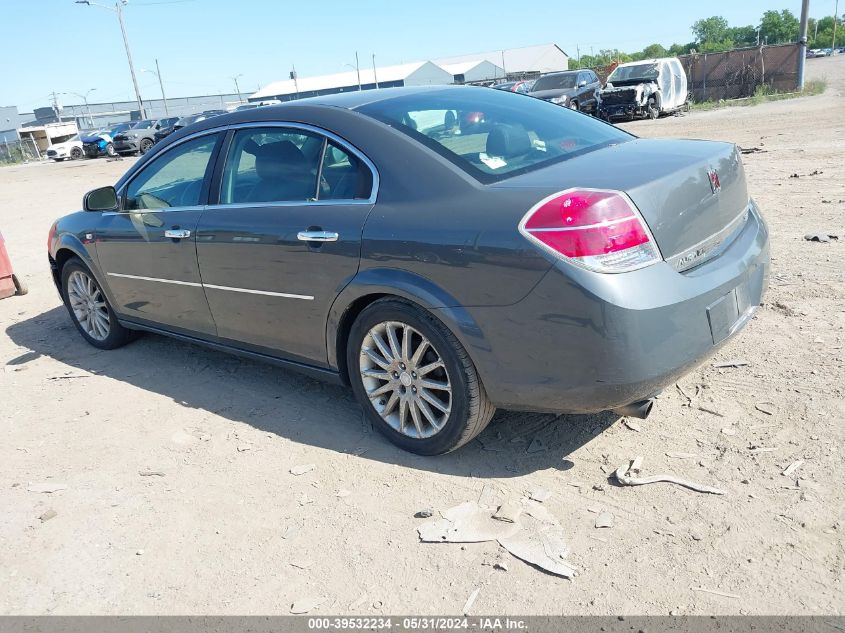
[
  {"x": 68, "y": 247},
  {"x": 374, "y": 284}
]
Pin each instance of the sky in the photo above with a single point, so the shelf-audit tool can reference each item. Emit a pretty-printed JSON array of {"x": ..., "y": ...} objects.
[{"x": 65, "y": 47}]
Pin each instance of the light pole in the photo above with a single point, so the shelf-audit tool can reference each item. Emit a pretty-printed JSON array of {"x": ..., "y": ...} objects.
[
  {"x": 802, "y": 41},
  {"x": 157, "y": 73},
  {"x": 356, "y": 69},
  {"x": 85, "y": 100},
  {"x": 118, "y": 8},
  {"x": 237, "y": 87},
  {"x": 375, "y": 77}
]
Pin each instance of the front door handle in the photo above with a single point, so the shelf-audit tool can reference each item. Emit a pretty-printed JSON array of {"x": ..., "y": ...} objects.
[
  {"x": 177, "y": 234},
  {"x": 317, "y": 236}
]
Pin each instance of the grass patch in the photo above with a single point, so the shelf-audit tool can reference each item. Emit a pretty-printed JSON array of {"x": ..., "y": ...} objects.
[{"x": 763, "y": 94}]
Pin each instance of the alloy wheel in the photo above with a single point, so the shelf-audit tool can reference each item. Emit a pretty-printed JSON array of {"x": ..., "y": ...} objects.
[
  {"x": 405, "y": 379},
  {"x": 88, "y": 305}
]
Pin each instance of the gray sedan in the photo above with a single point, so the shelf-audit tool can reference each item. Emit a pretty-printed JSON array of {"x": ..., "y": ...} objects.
[{"x": 444, "y": 251}]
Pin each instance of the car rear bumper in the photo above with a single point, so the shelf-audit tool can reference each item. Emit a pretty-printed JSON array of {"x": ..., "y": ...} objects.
[
  {"x": 585, "y": 342},
  {"x": 126, "y": 146}
]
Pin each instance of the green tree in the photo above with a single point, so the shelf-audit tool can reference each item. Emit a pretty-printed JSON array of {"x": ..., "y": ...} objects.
[
  {"x": 712, "y": 29},
  {"x": 653, "y": 51},
  {"x": 743, "y": 36},
  {"x": 779, "y": 27}
]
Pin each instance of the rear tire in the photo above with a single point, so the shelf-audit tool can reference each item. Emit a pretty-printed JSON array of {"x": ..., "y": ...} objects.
[
  {"x": 448, "y": 406},
  {"x": 99, "y": 325},
  {"x": 110, "y": 151}
]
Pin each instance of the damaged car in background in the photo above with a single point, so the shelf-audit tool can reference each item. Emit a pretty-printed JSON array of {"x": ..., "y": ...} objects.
[{"x": 646, "y": 88}]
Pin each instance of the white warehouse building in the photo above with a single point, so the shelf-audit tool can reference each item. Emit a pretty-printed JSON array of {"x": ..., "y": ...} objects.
[{"x": 528, "y": 61}]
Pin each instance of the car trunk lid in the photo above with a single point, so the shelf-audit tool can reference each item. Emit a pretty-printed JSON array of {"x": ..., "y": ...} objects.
[{"x": 670, "y": 183}]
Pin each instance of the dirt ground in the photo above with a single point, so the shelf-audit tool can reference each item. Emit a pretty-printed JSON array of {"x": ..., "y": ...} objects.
[{"x": 225, "y": 528}]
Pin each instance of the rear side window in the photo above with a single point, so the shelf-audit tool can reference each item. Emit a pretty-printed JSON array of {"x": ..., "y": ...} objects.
[
  {"x": 494, "y": 134},
  {"x": 173, "y": 179},
  {"x": 344, "y": 176},
  {"x": 272, "y": 165},
  {"x": 286, "y": 164}
]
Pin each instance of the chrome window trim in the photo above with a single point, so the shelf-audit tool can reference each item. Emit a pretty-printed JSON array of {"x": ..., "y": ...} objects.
[
  {"x": 376, "y": 181},
  {"x": 162, "y": 210}
]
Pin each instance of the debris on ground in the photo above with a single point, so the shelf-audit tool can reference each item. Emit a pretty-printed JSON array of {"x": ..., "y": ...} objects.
[
  {"x": 500, "y": 565},
  {"x": 765, "y": 407},
  {"x": 677, "y": 455},
  {"x": 423, "y": 514},
  {"x": 540, "y": 494},
  {"x": 623, "y": 476},
  {"x": 792, "y": 468},
  {"x": 306, "y": 604},
  {"x": 302, "y": 469},
  {"x": 305, "y": 500},
  {"x": 536, "y": 446},
  {"x": 632, "y": 424},
  {"x": 342, "y": 493},
  {"x": 508, "y": 512},
  {"x": 822, "y": 236},
  {"x": 150, "y": 473},
  {"x": 714, "y": 592},
  {"x": 243, "y": 448},
  {"x": 50, "y": 514},
  {"x": 604, "y": 520},
  {"x": 751, "y": 150},
  {"x": 728, "y": 430},
  {"x": 535, "y": 536},
  {"x": 735, "y": 362},
  {"x": 710, "y": 411},
  {"x": 46, "y": 487},
  {"x": 470, "y": 601}
]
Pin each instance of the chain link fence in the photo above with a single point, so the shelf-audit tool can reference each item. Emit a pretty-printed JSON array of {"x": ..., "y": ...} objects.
[
  {"x": 741, "y": 72},
  {"x": 19, "y": 151}
]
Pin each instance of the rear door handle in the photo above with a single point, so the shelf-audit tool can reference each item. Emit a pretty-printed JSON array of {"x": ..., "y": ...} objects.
[
  {"x": 317, "y": 236},
  {"x": 177, "y": 234}
]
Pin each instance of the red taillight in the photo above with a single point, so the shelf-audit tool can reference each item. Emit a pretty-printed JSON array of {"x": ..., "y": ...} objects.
[{"x": 597, "y": 230}]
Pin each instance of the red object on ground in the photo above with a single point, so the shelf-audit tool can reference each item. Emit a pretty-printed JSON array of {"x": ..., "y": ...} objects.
[{"x": 7, "y": 284}]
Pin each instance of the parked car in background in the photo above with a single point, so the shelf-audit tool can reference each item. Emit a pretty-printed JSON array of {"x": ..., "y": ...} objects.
[
  {"x": 574, "y": 89},
  {"x": 522, "y": 86},
  {"x": 646, "y": 88},
  {"x": 141, "y": 136},
  {"x": 582, "y": 269},
  {"x": 196, "y": 118},
  {"x": 71, "y": 148},
  {"x": 100, "y": 143}
]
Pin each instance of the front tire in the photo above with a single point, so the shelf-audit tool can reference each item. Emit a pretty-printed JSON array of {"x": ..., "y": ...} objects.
[
  {"x": 573, "y": 105},
  {"x": 89, "y": 309},
  {"x": 75, "y": 153},
  {"x": 146, "y": 144},
  {"x": 110, "y": 151},
  {"x": 414, "y": 379}
]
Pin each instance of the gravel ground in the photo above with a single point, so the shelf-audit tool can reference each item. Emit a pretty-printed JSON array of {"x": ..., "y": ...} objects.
[{"x": 176, "y": 460}]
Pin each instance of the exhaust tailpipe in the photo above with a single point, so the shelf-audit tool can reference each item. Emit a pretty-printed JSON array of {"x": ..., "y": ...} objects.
[{"x": 639, "y": 409}]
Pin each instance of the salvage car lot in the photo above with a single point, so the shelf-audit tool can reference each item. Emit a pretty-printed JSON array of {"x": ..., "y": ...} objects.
[{"x": 176, "y": 460}]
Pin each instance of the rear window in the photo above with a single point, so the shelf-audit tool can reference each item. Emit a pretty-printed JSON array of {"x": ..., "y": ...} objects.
[
  {"x": 494, "y": 134},
  {"x": 555, "y": 82}
]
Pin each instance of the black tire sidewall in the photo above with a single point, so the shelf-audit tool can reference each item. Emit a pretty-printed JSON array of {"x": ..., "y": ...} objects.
[
  {"x": 118, "y": 335},
  {"x": 450, "y": 436},
  {"x": 146, "y": 146}
]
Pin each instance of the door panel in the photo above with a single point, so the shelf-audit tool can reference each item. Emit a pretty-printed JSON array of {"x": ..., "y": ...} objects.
[
  {"x": 268, "y": 289},
  {"x": 155, "y": 277}
]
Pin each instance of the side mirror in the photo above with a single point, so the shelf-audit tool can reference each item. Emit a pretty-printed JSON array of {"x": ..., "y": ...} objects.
[
  {"x": 102, "y": 199},
  {"x": 582, "y": 83}
]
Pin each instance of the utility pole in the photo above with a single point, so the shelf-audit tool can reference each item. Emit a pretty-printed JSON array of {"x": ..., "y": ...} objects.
[
  {"x": 118, "y": 8},
  {"x": 802, "y": 42},
  {"x": 295, "y": 82},
  {"x": 358, "y": 70},
  {"x": 237, "y": 87},
  {"x": 161, "y": 85},
  {"x": 835, "y": 20},
  {"x": 55, "y": 104},
  {"x": 375, "y": 77},
  {"x": 85, "y": 100}
]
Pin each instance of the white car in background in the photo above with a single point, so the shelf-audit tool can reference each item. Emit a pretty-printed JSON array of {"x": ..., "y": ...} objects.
[{"x": 71, "y": 148}]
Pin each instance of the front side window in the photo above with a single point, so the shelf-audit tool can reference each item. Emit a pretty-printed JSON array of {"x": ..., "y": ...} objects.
[
  {"x": 493, "y": 134},
  {"x": 173, "y": 179},
  {"x": 272, "y": 165}
]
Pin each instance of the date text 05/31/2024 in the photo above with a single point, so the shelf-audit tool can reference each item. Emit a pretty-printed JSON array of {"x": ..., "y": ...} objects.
[{"x": 416, "y": 624}]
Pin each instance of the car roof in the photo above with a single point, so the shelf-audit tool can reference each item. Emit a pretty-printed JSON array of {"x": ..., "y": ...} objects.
[{"x": 563, "y": 72}]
